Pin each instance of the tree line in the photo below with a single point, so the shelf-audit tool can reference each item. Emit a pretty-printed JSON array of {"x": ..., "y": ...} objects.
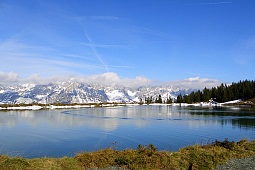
[
  {"x": 242, "y": 90},
  {"x": 149, "y": 100}
]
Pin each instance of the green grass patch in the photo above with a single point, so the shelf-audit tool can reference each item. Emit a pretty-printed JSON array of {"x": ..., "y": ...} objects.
[{"x": 144, "y": 157}]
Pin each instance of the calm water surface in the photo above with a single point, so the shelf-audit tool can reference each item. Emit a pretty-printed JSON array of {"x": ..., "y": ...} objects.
[{"x": 58, "y": 133}]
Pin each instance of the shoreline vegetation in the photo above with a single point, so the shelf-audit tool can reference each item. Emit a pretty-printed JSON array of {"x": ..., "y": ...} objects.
[
  {"x": 193, "y": 157},
  {"x": 37, "y": 106}
]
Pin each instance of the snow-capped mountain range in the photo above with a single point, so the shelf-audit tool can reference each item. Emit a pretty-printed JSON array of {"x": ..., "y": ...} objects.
[{"x": 73, "y": 92}]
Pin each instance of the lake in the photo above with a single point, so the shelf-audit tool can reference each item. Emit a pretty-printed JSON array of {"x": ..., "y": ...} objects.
[{"x": 58, "y": 133}]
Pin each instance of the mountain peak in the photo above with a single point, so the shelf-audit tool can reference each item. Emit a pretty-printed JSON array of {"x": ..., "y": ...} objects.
[{"x": 74, "y": 92}]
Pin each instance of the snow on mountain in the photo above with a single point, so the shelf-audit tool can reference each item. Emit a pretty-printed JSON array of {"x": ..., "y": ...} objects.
[{"x": 73, "y": 92}]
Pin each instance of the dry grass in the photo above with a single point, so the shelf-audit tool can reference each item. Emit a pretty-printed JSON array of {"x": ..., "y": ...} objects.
[{"x": 144, "y": 157}]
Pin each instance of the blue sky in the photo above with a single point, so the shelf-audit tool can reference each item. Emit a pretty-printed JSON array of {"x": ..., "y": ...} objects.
[{"x": 147, "y": 40}]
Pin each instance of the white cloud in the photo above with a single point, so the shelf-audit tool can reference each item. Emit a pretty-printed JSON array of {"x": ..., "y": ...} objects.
[
  {"x": 196, "y": 83},
  {"x": 111, "y": 78},
  {"x": 108, "y": 78},
  {"x": 105, "y": 78},
  {"x": 33, "y": 79},
  {"x": 8, "y": 78}
]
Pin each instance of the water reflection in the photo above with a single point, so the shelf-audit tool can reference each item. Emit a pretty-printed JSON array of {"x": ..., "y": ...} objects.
[
  {"x": 61, "y": 132},
  {"x": 247, "y": 123},
  {"x": 238, "y": 117},
  {"x": 109, "y": 118}
]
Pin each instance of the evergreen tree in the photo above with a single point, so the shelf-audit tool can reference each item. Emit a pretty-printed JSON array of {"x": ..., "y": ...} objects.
[
  {"x": 197, "y": 96},
  {"x": 235, "y": 91},
  {"x": 224, "y": 97},
  {"x": 191, "y": 97},
  {"x": 179, "y": 99},
  {"x": 242, "y": 90},
  {"x": 206, "y": 95},
  {"x": 187, "y": 99},
  {"x": 214, "y": 93},
  {"x": 159, "y": 99},
  {"x": 230, "y": 94},
  {"x": 169, "y": 100},
  {"x": 148, "y": 100},
  {"x": 248, "y": 89}
]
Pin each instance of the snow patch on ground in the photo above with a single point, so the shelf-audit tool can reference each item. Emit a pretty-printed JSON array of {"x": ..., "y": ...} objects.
[
  {"x": 25, "y": 108},
  {"x": 232, "y": 102}
]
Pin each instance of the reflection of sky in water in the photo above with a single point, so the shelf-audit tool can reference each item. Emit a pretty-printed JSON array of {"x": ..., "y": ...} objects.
[{"x": 65, "y": 132}]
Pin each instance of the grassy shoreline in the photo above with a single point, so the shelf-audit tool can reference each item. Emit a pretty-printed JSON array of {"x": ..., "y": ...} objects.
[{"x": 144, "y": 157}]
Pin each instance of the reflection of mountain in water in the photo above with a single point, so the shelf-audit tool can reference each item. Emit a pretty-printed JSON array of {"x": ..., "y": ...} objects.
[
  {"x": 109, "y": 119},
  {"x": 58, "y": 133}
]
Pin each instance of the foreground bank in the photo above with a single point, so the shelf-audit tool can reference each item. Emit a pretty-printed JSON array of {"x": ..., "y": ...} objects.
[{"x": 144, "y": 157}]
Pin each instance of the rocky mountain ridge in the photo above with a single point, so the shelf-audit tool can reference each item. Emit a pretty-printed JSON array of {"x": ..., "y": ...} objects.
[{"x": 74, "y": 92}]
